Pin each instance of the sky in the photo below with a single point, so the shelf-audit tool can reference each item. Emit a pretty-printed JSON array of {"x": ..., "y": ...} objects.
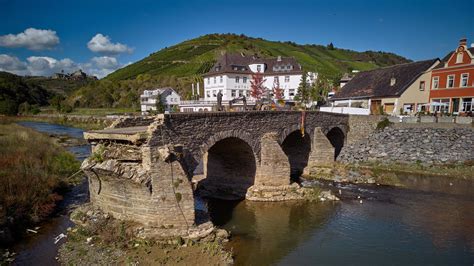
[{"x": 44, "y": 37}]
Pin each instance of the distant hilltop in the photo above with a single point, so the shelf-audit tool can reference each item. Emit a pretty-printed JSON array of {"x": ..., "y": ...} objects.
[{"x": 77, "y": 75}]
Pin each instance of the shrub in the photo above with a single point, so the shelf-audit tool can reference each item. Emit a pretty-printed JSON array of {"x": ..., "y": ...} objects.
[{"x": 383, "y": 124}]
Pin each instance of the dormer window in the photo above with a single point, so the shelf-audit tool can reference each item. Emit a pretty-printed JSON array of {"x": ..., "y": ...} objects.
[
  {"x": 393, "y": 81},
  {"x": 459, "y": 58},
  {"x": 259, "y": 68}
]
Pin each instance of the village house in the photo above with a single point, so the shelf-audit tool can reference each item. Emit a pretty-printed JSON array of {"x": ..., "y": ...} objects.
[
  {"x": 231, "y": 75},
  {"x": 394, "y": 90},
  {"x": 452, "y": 86},
  {"x": 168, "y": 97}
]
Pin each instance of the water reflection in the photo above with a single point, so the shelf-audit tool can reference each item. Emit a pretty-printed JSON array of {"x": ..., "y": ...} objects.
[
  {"x": 430, "y": 221},
  {"x": 265, "y": 232}
]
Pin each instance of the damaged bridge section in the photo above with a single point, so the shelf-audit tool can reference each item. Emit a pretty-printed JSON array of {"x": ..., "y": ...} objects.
[{"x": 149, "y": 169}]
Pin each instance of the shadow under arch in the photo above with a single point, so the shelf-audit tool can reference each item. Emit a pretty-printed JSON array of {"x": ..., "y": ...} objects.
[
  {"x": 297, "y": 147},
  {"x": 336, "y": 137},
  {"x": 229, "y": 170}
]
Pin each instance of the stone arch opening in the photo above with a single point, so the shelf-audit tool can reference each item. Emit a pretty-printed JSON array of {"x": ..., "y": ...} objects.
[
  {"x": 229, "y": 170},
  {"x": 297, "y": 148},
  {"x": 336, "y": 137}
]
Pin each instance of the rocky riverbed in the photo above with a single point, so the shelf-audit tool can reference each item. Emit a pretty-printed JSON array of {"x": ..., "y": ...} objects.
[{"x": 413, "y": 145}]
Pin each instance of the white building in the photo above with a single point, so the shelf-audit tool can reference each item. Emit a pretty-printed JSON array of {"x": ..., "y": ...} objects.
[
  {"x": 232, "y": 75},
  {"x": 168, "y": 97}
]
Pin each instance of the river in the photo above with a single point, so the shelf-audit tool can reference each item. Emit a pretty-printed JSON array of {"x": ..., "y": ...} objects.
[{"x": 430, "y": 221}]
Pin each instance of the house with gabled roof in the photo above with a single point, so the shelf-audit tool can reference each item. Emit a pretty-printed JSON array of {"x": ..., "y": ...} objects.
[
  {"x": 232, "y": 73},
  {"x": 452, "y": 86},
  {"x": 167, "y": 96},
  {"x": 394, "y": 90}
]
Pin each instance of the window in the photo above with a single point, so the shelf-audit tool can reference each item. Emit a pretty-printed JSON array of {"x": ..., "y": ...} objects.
[
  {"x": 464, "y": 79},
  {"x": 214, "y": 93},
  {"x": 450, "y": 82},
  {"x": 237, "y": 79},
  {"x": 244, "y": 79},
  {"x": 241, "y": 93},
  {"x": 459, "y": 58},
  {"x": 259, "y": 68},
  {"x": 275, "y": 79},
  {"x": 292, "y": 92},
  {"x": 287, "y": 78},
  {"x": 232, "y": 93},
  {"x": 440, "y": 105},
  {"x": 435, "y": 82},
  {"x": 214, "y": 80},
  {"x": 466, "y": 105},
  {"x": 208, "y": 80},
  {"x": 422, "y": 85},
  {"x": 221, "y": 79},
  {"x": 208, "y": 94}
]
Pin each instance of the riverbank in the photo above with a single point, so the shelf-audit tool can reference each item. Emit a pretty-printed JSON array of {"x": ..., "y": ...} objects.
[
  {"x": 387, "y": 173},
  {"x": 32, "y": 179},
  {"x": 98, "y": 238}
]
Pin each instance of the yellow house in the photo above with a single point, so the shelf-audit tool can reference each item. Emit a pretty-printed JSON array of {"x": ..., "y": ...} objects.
[{"x": 399, "y": 89}]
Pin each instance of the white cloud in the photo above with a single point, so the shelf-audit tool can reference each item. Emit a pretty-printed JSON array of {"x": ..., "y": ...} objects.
[
  {"x": 102, "y": 44},
  {"x": 31, "y": 38},
  {"x": 12, "y": 64},
  {"x": 47, "y": 66},
  {"x": 105, "y": 62}
]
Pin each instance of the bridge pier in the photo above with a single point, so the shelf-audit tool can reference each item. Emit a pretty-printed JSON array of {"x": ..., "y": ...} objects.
[
  {"x": 272, "y": 182},
  {"x": 321, "y": 157}
]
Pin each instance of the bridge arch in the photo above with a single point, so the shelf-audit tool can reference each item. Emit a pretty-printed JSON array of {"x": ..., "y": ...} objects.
[
  {"x": 230, "y": 166},
  {"x": 337, "y": 138}
]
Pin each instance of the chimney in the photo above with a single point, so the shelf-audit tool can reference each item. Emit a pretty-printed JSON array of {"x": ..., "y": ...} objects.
[
  {"x": 462, "y": 42},
  {"x": 393, "y": 80},
  {"x": 279, "y": 58}
]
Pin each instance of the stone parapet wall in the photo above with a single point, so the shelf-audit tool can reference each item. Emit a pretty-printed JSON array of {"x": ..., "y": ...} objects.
[
  {"x": 413, "y": 145},
  {"x": 361, "y": 126}
]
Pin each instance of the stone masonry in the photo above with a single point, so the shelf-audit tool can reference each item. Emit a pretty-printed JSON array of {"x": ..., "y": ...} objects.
[{"x": 143, "y": 168}]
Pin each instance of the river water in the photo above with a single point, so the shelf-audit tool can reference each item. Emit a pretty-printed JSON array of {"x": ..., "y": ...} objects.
[
  {"x": 430, "y": 221},
  {"x": 40, "y": 249}
]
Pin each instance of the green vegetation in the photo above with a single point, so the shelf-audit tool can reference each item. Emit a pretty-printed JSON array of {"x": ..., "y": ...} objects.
[
  {"x": 383, "y": 124},
  {"x": 15, "y": 92},
  {"x": 33, "y": 171},
  {"x": 180, "y": 65},
  {"x": 24, "y": 95}
]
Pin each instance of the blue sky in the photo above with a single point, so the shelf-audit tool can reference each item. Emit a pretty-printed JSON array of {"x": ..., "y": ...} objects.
[{"x": 131, "y": 30}]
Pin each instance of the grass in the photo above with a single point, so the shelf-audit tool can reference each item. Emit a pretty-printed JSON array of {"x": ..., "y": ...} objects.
[
  {"x": 83, "y": 123},
  {"x": 33, "y": 172}
]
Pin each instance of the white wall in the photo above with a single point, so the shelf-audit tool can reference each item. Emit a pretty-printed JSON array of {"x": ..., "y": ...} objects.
[{"x": 228, "y": 84}]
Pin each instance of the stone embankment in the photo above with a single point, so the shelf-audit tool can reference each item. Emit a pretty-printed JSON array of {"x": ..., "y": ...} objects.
[{"x": 413, "y": 145}]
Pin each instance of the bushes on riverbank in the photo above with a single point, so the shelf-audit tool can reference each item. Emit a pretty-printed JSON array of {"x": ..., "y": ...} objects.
[{"x": 33, "y": 170}]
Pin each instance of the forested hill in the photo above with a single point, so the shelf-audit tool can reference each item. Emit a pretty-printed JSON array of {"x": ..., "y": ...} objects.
[
  {"x": 180, "y": 65},
  {"x": 196, "y": 56}
]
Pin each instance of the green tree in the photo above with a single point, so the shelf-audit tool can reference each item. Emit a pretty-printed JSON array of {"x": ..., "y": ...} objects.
[
  {"x": 160, "y": 107},
  {"x": 319, "y": 90},
  {"x": 303, "y": 94},
  {"x": 56, "y": 102},
  {"x": 330, "y": 46}
]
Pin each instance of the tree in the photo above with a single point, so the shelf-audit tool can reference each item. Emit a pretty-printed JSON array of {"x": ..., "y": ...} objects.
[
  {"x": 256, "y": 86},
  {"x": 319, "y": 90},
  {"x": 160, "y": 107},
  {"x": 303, "y": 94},
  {"x": 330, "y": 46},
  {"x": 277, "y": 91},
  {"x": 56, "y": 102}
]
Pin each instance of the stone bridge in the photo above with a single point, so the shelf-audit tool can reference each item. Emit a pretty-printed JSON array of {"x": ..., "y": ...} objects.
[{"x": 149, "y": 169}]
